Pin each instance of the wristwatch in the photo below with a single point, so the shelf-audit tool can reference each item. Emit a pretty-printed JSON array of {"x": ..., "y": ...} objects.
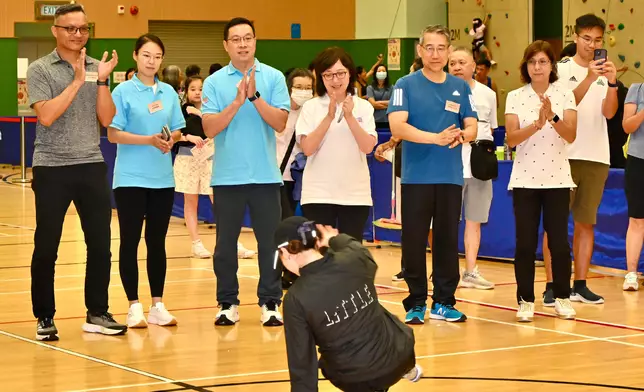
[
  {"x": 251, "y": 99},
  {"x": 613, "y": 84},
  {"x": 105, "y": 83},
  {"x": 555, "y": 119}
]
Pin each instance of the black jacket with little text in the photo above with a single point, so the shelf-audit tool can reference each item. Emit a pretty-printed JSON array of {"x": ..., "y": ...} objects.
[{"x": 334, "y": 305}]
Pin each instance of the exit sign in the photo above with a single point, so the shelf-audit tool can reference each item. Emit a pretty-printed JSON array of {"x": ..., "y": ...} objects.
[{"x": 47, "y": 9}]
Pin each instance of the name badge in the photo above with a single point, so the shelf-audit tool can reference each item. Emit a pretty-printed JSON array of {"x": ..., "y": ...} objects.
[
  {"x": 91, "y": 77},
  {"x": 155, "y": 106},
  {"x": 452, "y": 106}
]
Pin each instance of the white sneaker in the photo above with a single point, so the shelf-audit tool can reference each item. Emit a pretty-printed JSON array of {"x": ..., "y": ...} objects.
[
  {"x": 135, "y": 316},
  {"x": 271, "y": 316},
  {"x": 414, "y": 374},
  {"x": 525, "y": 312},
  {"x": 199, "y": 251},
  {"x": 630, "y": 282},
  {"x": 475, "y": 280},
  {"x": 159, "y": 315},
  {"x": 227, "y": 315},
  {"x": 244, "y": 253},
  {"x": 564, "y": 309}
]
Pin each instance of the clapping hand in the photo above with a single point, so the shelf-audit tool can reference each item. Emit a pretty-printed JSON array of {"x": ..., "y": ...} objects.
[{"x": 105, "y": 67}]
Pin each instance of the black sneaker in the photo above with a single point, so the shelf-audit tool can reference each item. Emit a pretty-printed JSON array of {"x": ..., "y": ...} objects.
[
  {"x": 103, "y": 323},
  {"x": 398, "y": 277},
  {"x": 549, "y": 298},
  {"x": 46, "y": 330},
  {"x": 583, "y": 294}
]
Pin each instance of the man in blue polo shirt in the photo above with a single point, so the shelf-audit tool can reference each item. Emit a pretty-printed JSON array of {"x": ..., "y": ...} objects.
[
  {"x": 433, "y": 113},
  {"x": 244, "y": 103}
]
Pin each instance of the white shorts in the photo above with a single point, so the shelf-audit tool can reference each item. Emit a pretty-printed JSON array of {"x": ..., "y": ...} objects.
[{"x": 191, "y": 176}]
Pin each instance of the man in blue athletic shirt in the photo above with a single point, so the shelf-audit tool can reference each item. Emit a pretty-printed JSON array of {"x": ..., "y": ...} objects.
[{"x": 433, "y": 113}]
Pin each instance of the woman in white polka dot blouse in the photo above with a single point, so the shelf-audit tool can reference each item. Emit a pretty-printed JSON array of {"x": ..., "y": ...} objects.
[{"x": 541, "y": 119}]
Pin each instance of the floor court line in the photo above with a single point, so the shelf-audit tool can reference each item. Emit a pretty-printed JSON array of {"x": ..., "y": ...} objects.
[
  {"x": 17, "y": 226},
  {"x": 112, "y": 273},
  {"x": 509, "y": 308}
]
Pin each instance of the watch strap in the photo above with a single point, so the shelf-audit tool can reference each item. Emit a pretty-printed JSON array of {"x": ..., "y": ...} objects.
[{"x": 251, "y": 99}]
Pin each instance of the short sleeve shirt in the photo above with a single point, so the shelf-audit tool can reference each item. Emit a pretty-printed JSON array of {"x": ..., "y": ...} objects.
[
  {"x": 485, "y": 102},
  {"x": 541, "y": 161},
  {"x": 246, "y": 147},
  {"x": 337, "y": 173},
  {"x": 432, "y": 107},
  {"x": 142, "y": 111},
  {"x": 591, "y": 143},
  {"x": 636, "y": 143},
  {"x": 379, "y": 94},
  {"x": 74, "y": 138}
]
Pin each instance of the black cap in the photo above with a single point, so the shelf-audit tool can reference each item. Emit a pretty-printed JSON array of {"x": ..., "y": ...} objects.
[{"x": 287, "y": 230}]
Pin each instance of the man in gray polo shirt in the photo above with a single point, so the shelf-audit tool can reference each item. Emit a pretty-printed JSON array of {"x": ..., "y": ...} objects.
[{"x": 70, "y": 94}]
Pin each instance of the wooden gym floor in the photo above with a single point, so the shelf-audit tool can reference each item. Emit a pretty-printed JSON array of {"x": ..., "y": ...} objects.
[{"x": 602, "y": 350}]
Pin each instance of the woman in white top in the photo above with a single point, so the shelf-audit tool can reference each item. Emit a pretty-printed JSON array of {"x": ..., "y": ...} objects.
[
  {"x": 300, "y": 88},
  {"x": 336, "y": 131},
  {"x": 541, "y": 119}
]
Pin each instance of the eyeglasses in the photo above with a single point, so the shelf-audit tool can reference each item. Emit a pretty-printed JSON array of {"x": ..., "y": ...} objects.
[
  {"x": 589, "y": 40},
  {"x": 249, "y": 39},
  {"x": 439, "y": 50},
  {"x": 149, "y": 58},
  {"x": 71, "y": 30},
  {"x": 541, "y": 62},
  {"x": 330, "y": 75}
]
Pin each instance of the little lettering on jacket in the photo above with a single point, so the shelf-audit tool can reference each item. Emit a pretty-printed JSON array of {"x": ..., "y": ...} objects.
[{"x": 351, "y": 307}]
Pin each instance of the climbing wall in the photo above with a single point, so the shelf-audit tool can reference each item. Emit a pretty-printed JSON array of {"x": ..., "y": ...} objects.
[
  {"x": 624, "y": 27},
  {"x": 507, "y": 36}
]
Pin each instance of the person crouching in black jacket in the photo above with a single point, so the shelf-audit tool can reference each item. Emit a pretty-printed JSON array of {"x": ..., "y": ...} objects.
[{"x": 334, "y": 305}]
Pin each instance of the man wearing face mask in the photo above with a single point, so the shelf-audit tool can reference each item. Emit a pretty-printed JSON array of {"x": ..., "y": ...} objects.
[
  {"x": 300, "y": 88},
  {"x": 378, "y": 95}
]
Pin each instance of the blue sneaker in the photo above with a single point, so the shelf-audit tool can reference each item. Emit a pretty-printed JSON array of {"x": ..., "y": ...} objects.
[
  {"x": 416, "y": 315},
  {"x": 447, "y": 313}
]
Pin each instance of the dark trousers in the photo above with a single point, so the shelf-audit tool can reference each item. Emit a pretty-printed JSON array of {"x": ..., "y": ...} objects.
[
  {"x": 230, "y": 204},
  {"x": 134, "y": 205},
  {"x": 54, "y": 189},
  {"x": 348, "y": 220},
  {"x": 528, "y": 207},
  {"x": 286, "y": 198},
  {"x": 421, "y": 203},
  {"x": 380, "y": 382}
]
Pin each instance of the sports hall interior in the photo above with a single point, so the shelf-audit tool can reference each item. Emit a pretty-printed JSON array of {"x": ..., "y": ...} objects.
[{"x": 603, "y": 349}]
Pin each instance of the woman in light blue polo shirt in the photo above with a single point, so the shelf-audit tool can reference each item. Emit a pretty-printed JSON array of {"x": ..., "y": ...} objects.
[{"x": 143, "y": 176}]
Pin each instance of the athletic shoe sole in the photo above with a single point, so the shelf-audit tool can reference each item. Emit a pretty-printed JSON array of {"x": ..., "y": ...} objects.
[
  {"x": 138, "y": 325},
  {"x": 224, "y": 321},
  {"x": 476, "y": 286},
  {"x": 549, "y": 304},
  {"x": 525, "y": 319},
  {"x": 451, "y": 320},
  {"x": 47, "y": 338},
  {"x": 566, "y": 316},
  {"x": 415, "y": 321},
  {"x": 156, "y": 321},
  {"x": 273, "y": 322},
  {"x": 93, "y": 328},
  {"x": 631, "y": 288},
  {"x": 578, "y": 298}
]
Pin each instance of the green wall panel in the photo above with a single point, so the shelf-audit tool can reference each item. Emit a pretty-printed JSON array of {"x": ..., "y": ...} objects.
[
  {"x": 123, "y": 47},
  {"x": 9, "y": 77}
]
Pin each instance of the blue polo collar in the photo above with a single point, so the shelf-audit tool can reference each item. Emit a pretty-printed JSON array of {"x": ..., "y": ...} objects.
[
  {"x": 232, "y": 69},
  {"x": 142, "y": 87}
]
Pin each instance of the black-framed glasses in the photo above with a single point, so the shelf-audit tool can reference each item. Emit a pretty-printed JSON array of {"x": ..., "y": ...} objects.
[{"x": 71, "y": 30}]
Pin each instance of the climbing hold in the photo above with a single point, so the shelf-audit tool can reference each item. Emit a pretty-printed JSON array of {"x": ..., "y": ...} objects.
[
  {"x": 621, "y": 26},
  {"x": 583, "y": 1},
  {"x": 622, "y": 58},
  {"x": 632, "y": 41},
  {"x": 498, "y": 43},
  {"x": 507, "y": 73},
  {"x": 621, "y": 1},
  {"x": 494, "y": 38},
  {"x": 637, "y": 64},
  {"x": 631, "y": 10},
  {"x": 611, "y": 40},
  {"x": 489, "y": 16},
  {"x": 603, "y": 11},
  {"x": 467, "y": 30},
  {"x": 611, "y": 26},
  {"x": 506, "y": 16}
]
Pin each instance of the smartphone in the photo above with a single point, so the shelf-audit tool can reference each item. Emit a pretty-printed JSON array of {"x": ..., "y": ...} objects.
[
  {"x": 166, "y": 133},
  {"x": 600, "y": 54}
]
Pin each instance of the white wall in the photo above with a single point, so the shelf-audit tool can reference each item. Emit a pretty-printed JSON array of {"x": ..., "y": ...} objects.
[{"x": 375, "y": 18}]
